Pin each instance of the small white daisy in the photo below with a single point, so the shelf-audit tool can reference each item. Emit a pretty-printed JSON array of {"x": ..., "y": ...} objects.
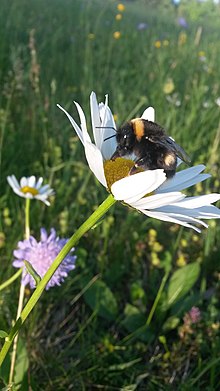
[
  {"x": 150, "y": 191},
  {"x": 30, "y": 187}
]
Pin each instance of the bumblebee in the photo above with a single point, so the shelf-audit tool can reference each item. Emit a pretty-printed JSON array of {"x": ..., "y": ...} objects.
[{"x": 150, "y": 144}]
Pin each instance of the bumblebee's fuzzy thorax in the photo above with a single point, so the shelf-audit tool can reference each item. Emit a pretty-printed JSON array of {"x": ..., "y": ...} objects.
[{"x": 151, "y": 146}]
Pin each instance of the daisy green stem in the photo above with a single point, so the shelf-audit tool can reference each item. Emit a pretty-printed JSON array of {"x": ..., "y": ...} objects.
[
  {"x": 27, "y": 218},
  {"x": 89, "y": 223},
  {"x": 21, "y": 294}
]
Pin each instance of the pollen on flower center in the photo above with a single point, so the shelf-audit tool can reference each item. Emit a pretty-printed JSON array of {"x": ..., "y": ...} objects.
[
  {"x": 27, "y": 189},
  {"x": 117, "y": 169}
]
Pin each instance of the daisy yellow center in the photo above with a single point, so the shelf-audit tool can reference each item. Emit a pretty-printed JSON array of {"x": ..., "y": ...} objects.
[
  {"x": 32, "y": 190},
  {"x": 117, "y": 169}
]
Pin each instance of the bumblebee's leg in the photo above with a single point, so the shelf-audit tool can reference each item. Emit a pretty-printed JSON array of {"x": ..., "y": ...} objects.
[
  {"x": 170, "y": 173},
  {"x": 167, "y": 162},
  {"x": 144, "y": 163}
]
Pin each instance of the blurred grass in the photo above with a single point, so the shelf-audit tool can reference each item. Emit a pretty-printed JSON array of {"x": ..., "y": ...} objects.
[{"x": 56, "y": 52}]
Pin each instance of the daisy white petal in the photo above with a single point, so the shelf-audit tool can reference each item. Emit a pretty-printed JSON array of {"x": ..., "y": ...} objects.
[
  {"x": 104, "y": 112},
  {"x": 149, "y": 114},
  {"x": 31, "y": 181},
  {"x": 44, "y": 189},
  {"x": 99, "y": 125},
  {"x": 134, "y": 187},
  {"x": 95, "y": 161},
  {"x": 196, "y": 202},
  {"x": 39, "y": 183},
  {"x": 43, "y": 199},
  {"x": 185, "y": 185},
  {"x": 168, "y": 218},
  {"x": 82, "y": 117},
  {"x": 182, "y": 179},
  {"x": 108, "y": 147},
  {"x": 158, "y": 200},
  {"x": 23, "y": 182},
  {"x": 209, "y": 212},
  {"x": 13, "y": 182},
  {"x": 95, "y": 118},
  {"x": 188, "y": 219},
  {"x": 205, "y": 212},
  {"x": 73, "y": 123}
]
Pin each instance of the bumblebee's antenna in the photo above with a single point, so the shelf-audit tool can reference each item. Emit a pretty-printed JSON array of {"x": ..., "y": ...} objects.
[
  {"x": 114, "y": 135},
  {"x": 107, "y": 127}
]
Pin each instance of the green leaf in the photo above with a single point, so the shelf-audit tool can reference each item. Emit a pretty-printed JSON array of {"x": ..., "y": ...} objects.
[
  {"x": 171, "y": 323},
  {"x": 133, "y": 318},
  {"x": 21, "y": 366},
  {"x": 100, "y": 298},
  {"x": 181, "y": 282},
  {"x": 4, "y": 372},
  {"x": 3, "y": 334},
  {"x": 32, "y": 272},
  {"x": 135, "y": 322},
  {"x": 123, "y": 366}
]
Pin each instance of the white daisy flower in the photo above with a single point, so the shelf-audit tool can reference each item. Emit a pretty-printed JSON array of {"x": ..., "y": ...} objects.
[
  {"x": 150, "y": 192},
  {"x": 30, "y": 187}
]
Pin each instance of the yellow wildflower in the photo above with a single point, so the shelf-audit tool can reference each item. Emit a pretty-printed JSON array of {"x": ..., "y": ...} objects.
[
  {"x": 216, "y": 183},
  {"x": 152, "y": 232},
  {"x": 2, "y": 239},
  {"x": 118, "y": 16},
  {"x": 182, "y": 38},
  {"x": 212, "y": 224},
  {"x": 181, "y": 261},
  {"x": 91, "y": 36},
  {"x": 166, "y": 42},
  {"x": 120, "y": 7},
  {"x": 199, "y": 187},
  {"x": 169, "y": 86},
  {"x": 215, "y": 326},
  {"x": 117, "y": 34},
  {"x": 201, "y": 53},
  {"x": 184, "y": 243},
  {"x": 115, "y": 117},
  {"x": 157, "y": 44},
  {"x": 157, "y": 247},
  {"x": 155, "y": 259},
  {"x": 195, "y": 238}
]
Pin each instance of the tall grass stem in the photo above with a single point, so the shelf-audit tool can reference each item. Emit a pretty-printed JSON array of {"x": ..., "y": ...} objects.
[{"x": 21, "y": 293}]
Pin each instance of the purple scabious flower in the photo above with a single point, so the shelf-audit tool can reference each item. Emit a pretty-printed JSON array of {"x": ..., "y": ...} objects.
[
  {"x": 182, "y": 22},
  {"x": 142, "y": 26},
  {"x": 41, "y": 255}
]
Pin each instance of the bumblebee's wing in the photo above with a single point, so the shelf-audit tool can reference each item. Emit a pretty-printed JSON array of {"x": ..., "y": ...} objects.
[{"x": 169, "y": 143}]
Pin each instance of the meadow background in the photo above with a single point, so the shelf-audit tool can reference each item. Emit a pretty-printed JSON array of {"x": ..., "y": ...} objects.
[{"x": 96, "y": 331}]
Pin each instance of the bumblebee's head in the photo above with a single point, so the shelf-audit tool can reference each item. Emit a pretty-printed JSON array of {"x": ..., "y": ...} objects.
[{"x": 125, "y": 138}]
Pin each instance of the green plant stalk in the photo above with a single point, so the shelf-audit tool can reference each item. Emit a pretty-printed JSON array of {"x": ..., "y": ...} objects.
[
  {"x": 21, "y": 293},
  {"x": 11, "y": 279},
  {"x": 153, "y": 308},
  {"x": 27, "y": 218},
  {"x": 157, "y": 298},
  {"x": 99, "y": 212}
]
